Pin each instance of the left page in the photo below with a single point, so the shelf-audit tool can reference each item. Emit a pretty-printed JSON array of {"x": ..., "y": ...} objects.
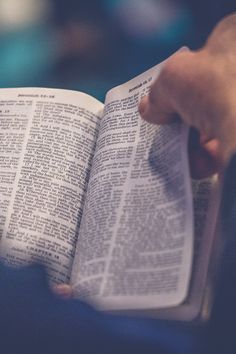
[{"x": 48, "y": 138}]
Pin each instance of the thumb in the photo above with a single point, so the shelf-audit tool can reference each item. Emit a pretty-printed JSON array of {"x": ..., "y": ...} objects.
[{"x": 156, "y": 109}]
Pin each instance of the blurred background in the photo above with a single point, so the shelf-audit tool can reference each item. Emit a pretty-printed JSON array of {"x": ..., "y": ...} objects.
[{"x": 92, "y": 46}]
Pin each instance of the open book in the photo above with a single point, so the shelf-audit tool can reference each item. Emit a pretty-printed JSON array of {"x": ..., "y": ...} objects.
[{"x": 104, "y": 199}]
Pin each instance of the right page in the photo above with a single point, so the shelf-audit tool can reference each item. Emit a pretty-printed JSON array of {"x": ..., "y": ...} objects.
[
  {"x": 206, "y": 194},
  {"x": 207, "y": 247},
  {"x": 135, "y": 244}
]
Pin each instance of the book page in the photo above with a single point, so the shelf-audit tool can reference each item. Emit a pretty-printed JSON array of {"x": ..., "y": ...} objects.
[
  {"x": 47, "y": 143},
  {"x": 206, "y": 197},
  {"x": 135, "y": 244}
]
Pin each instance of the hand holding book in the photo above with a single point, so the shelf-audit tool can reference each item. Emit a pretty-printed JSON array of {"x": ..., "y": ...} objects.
[
  {"x": 188, "y": 85},
  {"x": 200, "y": 88},
  {"x": 104, "y": 198}
]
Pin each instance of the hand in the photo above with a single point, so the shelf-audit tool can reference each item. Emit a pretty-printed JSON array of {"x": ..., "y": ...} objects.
[
  {"x": 199, "y": 87},
  {"x": 204, "y": 156}
]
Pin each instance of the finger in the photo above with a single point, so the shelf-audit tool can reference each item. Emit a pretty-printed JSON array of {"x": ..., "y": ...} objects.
[
  {"x": 64, "y": 291},
  {"x": 167, "y": 94},
  {"x": 204, "y": 158},
  {"x": 155, "y": 109},
  {"x": 202, "y": 164},
  {"x": 214, "y": 150}
]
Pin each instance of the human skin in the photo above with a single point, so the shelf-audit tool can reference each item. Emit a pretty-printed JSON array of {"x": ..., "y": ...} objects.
[{"x": 199, "y": 87}]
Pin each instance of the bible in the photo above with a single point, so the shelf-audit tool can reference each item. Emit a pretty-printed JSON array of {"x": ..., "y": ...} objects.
[{"x": 105, "y": 200}]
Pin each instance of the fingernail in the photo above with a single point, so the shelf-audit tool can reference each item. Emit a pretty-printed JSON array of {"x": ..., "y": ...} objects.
[{"x": 63, "y": 290}]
